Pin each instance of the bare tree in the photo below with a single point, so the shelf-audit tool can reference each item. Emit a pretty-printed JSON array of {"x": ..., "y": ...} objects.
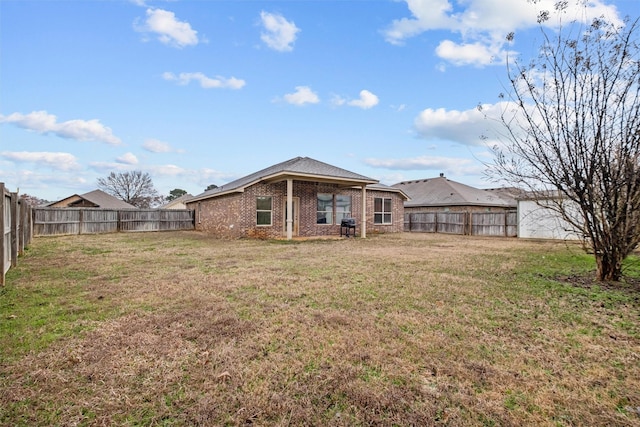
[
  {"x": 134, "y": 187},
  {"x": 573, "y": 130}
]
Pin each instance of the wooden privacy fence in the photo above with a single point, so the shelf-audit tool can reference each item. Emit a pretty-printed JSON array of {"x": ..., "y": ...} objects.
[
  {"x": 15, "y": 223},
  {"x": 503, "y": 223},
  {"x": 59, "y": 221}
]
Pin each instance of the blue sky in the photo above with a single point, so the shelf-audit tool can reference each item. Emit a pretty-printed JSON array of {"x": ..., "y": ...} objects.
[{"x": 203, "y": 92}]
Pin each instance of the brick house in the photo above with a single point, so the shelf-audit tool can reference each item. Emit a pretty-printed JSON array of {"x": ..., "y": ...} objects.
[{"x": 299, "y": 197}]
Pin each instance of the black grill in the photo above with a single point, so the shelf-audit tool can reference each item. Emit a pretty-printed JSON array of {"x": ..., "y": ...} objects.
[{"x": 348, "y": 224}]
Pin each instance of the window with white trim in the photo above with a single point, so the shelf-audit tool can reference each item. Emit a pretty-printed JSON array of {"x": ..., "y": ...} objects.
[
  {"x": 325, "y": 209},
  {"x": 264, "y": 210},
  {"x": 332, "y": 209},
  {"x": 343, "y": 207},
  {"x": 382, "y": 210}
]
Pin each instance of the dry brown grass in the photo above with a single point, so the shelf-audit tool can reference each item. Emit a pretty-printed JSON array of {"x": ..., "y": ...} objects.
[{"x": 410, "y": 329}]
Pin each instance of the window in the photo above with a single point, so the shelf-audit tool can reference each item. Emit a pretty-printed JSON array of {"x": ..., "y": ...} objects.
[
  {"x": 343, "y": 208},
  {"x": 264, "y": 206},
  {"x": 325, "y": 209},
  {"x": 332, "y": 207},
  {"x": 381, "y": 210}
]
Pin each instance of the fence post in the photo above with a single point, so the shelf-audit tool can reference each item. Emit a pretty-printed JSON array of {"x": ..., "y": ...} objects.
[
  {"x": 25, "y": 235},
  {"x": 15, "y": 219},
  {"x": 21, "y": 209},
  {"x": 506, "y": 225}
]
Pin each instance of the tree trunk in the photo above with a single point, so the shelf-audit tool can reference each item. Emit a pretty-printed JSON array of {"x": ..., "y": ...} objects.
[{"x": 609, "y": 267}]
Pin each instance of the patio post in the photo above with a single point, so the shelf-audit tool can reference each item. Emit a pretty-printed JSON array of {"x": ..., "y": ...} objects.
[
  {"x": 363, "y": 221},
  {"x": 289, "y": 209}
]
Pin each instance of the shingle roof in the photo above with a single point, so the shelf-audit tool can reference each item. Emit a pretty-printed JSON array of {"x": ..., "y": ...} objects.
[
  {"x": 100, "y": 199},
  {"x": 441, "y": 191},
  {"x": 105, "y": 200},
  {"x": 182, "y": 199},
  {"x": 300, "y": 168}
]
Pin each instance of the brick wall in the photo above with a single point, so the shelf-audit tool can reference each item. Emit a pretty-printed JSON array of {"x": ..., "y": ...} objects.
[{"x": 397, "y": 213}]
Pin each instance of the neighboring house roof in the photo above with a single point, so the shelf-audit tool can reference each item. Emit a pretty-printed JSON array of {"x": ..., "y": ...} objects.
[
  {"x": 509, "y": 194},
  {"x": 97, "y": 198},
  {"x": 299, "y": 168},
  {"x": 178, "y": 201},
  {"x": 441, "y": 191}
]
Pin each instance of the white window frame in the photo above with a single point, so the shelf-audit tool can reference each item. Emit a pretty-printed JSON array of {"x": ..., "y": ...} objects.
[
  {"x": 383, "y": 213},
  {"x": 329, "y": 213},
  {"x": 259, "y": 211}
]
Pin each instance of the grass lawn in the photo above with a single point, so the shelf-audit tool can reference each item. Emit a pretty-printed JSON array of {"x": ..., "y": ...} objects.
[{"x": 181, "y": 329}]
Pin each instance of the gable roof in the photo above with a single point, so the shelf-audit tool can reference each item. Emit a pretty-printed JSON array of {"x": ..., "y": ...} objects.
[
  {"x": 96, "y": 197},
  {"x": 182, "y": 199},
  {"x": 441, "y": 191},
  {"x": 299, "y": 168}
]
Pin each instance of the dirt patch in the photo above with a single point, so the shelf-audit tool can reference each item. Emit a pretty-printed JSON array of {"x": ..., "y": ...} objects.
[{"x": 630, "y": 285}]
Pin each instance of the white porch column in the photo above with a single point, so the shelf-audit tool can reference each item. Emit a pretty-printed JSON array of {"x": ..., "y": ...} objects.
[
  {"x": 363, "y": 226},
  {"x": 289, "y": 209}
]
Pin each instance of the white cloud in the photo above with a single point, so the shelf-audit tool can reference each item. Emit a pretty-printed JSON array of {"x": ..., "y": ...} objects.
[
  {"x": 279, "y": 33},
  {"x": 44, "y": 123},
  {"x": 467, "y": 127},
  {"x": 483, "y": 24},
  {"x": 302, "y": 95},
  {"x": 476, "y": 53},
  {"x": 366, "y": 101},
  {"x": 452, "y": 165},
  {"x": 427, "y": 15},
  {"x": 168, "y": 28},
  {"x": 205, "y": 82},
  {"x": 128, "y": 159},
  {"x": 167, "y": 170},
  {"x": 104, "y": 167},
  {"x": 156, "y": 146},
  {"x": 56, "y": 161}
]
